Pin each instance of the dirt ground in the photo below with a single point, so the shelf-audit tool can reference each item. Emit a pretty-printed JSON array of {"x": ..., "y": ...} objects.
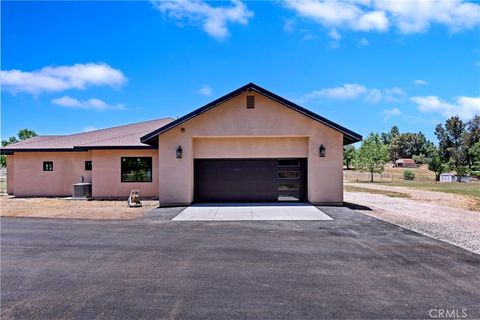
[
  {"x": 439, "y": 198},
  {"x": 438, "y": 215},
  {"x": 73, "y": 209}
]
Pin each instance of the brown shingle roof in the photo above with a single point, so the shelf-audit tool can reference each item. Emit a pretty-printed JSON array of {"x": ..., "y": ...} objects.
[{"x": 115, "y": 137}]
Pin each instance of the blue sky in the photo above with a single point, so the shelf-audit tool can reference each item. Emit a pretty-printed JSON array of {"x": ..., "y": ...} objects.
[{"x": 70, "y": 67}]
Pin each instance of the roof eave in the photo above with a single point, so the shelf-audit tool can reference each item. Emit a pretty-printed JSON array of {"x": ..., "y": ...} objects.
[{"x": 349, "y": 136}]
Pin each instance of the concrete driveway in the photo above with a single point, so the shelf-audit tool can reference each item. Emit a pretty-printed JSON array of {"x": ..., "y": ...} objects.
[
  {"x": 353, "y": 266},
  {"x": 251, "y": 212}
]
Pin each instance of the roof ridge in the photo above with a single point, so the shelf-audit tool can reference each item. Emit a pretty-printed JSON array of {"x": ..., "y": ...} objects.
[{"x": 120, "y": 126}]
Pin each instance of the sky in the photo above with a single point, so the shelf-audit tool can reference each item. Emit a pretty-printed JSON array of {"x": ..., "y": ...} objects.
[{"x": 69, "y": 67}]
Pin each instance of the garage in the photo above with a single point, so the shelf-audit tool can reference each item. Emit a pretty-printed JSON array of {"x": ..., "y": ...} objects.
[{"x": 250, "y": 180}]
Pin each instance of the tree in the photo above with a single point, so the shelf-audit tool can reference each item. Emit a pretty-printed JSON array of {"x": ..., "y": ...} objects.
[
  {"x": 471, "y": 137},
  {"x": 474, "y": 153},
  {"x": 22, "y": 135},
  {"x": 436, "y": 166},
  {"x": 452, "y": 148},
  {"x": 348, "y": 155},
  {"x": 372, "y": 155},
  {"x": 388, "y": 136}
]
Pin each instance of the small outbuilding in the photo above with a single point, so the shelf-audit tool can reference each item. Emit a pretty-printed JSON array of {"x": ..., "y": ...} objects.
[
  {"x": 447, "y": 177},
  {"x": 405, "y": 163}
]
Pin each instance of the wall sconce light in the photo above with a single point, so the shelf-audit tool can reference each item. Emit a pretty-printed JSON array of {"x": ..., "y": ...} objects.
[
  {"x": 322, "y": 151},
  {"x": 179, "y": 152}
]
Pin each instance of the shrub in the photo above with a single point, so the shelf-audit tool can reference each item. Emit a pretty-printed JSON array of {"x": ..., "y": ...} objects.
[{"x": 408, "y": 175}]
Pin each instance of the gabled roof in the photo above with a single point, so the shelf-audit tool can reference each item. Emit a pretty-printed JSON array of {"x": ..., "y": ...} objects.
[
  {"x": 348, "y": 135},
  {"x": 120, "y": 137}
]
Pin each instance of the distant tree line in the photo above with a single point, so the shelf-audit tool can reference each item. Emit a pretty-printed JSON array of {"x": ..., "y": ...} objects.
[
  {"x": 21, "y": 135},
  {"x": 458, "y": 149}
]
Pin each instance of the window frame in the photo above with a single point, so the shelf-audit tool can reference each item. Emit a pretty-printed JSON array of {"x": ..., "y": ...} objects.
[
  {"x": 90, "y": 168},
  {"x": 47, "y": 169},
  {"x": 150, "y": 161}
]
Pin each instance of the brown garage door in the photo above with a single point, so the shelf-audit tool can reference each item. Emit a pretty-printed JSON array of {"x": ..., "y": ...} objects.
[{"x": 242, "y": 180}]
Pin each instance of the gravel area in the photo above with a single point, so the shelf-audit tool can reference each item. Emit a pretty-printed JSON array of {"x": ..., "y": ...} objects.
[
  {"x": 457, "y": 226},
  {"x": 71, "y": 209}
]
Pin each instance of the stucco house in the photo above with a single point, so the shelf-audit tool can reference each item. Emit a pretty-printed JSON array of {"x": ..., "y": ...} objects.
[{"x": 249, "y": 145}]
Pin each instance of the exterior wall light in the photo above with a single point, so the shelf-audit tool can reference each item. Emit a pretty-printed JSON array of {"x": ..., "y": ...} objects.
[
  {"x": 179, "y": 152},
  {"x": 322, "y": 151}
]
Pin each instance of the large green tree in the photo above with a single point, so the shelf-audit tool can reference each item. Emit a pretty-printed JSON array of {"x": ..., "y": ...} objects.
[
  {"x": 388, "y": 136},
  {"x": 470, "y": 138},
  {"x": 348, "y": 155},
  {"x": 21, "y": 135},
  {"x": 372, "y": 155},
  {"x": 436, "y": 166}
]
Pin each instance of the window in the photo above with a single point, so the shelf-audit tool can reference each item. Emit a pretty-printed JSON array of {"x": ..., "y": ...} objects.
[
  {"x": 288, "y": 175},
  {"x": 88, "y": 165},
  {"x": 250, "y": 102},
  {"x": 288, "y": 163},
  {"x": 288, "y": 186},
  {"x": 136, "y": 169},
  {"x": 47, "y": 165}
]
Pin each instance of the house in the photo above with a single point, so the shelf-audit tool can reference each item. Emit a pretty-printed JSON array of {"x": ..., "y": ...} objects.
[
  {"x": 405, "y": 163},
  {"x": 249, "y": 145}
]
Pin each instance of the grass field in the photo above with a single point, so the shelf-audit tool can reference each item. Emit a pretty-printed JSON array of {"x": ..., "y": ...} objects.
[
  {"x": 466, "y": 189},
  {"x": 392, "y": 194}
]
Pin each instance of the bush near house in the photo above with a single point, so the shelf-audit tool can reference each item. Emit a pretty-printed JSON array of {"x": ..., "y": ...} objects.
[{"x": 408, "y": 175}]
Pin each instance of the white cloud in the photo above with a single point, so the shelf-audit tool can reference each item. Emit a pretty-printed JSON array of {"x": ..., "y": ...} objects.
[
  {"x": 344, "y": 92},
  {"x": 464, "y": 107},
  {"x": 213, "y": 20},
  {"x": 356, "y": 91},
  {"x": 388, "y": 113},
  {"x": 206, "y": 90},
  {"x": 54, "y": 79},
  {"x": 411, "y": 16},
  {"x": 420, "y": 82},
  {"x": 89, "y": 128},
  {"x": 90, "y": 104},
  {"x": 334, "y": 35},
  {"x": 363, "y": 42},
  {"x": 289, "y": 25}
]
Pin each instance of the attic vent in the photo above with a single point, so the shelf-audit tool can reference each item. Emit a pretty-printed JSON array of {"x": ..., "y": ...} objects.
[{"x": 250, "y": 102}]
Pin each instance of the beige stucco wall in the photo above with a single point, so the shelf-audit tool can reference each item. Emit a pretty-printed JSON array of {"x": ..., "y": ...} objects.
[
  {"x": 244, "y": 147},
  {"x": 107, "y": 174},
  {"x": 28, "y": 179},
  {"x": 31, "y": 180},
  {"x": 252, "y": 133},
  {"x": 10, "y": 174}
]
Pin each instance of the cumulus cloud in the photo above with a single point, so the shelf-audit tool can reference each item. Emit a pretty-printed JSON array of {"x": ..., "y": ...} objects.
[
  {"x": 351, "y": 91},
  {"x": 289, "y": 25},
  {"x": 464, "y": 107},
  {"x": 90, "y": 104},
  {"x": 206, "y": 90},
  {"x": 345, "y": 91},
  {"x": 54, "y": 79},
  {"x": 388, "y": 113},
  {"x": 420, "y": 82},
  {"x": 213, "y": 20},
  {"x": 363, "y": 42},
  {"x": 413, "y": 16}
]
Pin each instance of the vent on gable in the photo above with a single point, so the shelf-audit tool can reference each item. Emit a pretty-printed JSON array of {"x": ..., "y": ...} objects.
[{"x": 250, "y": 102}]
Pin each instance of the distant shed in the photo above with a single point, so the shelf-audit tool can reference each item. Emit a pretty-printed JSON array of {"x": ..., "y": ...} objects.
[{"x": 405, "y": 163}]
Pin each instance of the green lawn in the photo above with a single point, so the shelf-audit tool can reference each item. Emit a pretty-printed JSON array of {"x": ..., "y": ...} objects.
[
  {"x": 466, "y": 189},
  {"x": 392, "y": 194}
]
